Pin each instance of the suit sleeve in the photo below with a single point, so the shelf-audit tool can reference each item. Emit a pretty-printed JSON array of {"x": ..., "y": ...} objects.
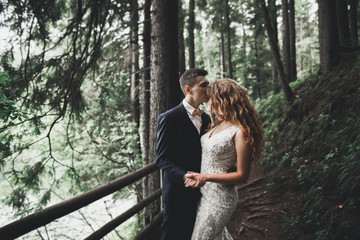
[{"x": 163, "y": 151}]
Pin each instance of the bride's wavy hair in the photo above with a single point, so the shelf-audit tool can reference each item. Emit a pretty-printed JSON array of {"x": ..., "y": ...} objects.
[{"x": 230, "y": 102}]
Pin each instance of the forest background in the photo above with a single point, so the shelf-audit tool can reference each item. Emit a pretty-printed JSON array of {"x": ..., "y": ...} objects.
[{"x": 82, "y": 83}]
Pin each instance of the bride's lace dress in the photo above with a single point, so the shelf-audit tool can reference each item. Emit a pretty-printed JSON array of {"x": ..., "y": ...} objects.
[{"x": 218, "y": 201}]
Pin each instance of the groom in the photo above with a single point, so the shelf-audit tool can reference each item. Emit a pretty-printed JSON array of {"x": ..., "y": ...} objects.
[{"x": 178, "y": 150}]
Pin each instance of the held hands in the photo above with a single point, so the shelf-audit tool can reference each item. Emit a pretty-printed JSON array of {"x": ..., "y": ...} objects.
[{"x": 194, "y": 180}]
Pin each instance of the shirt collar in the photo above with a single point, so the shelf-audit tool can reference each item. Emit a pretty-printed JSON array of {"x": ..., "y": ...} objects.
[{"x": 188, "y": 107}]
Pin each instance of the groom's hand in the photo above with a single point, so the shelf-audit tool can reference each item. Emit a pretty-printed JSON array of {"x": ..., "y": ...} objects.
[
  {"x": 190, "y": 180},
  {"x": 191, "y": 183},
  {"x": 194, "y": 180}
]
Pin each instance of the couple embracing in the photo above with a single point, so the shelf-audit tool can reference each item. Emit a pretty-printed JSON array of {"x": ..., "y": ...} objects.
[{"x": 197, "y": 152}]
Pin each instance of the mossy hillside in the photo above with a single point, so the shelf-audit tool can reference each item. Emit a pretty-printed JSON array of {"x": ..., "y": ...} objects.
[{"x": 312, "y": 154}]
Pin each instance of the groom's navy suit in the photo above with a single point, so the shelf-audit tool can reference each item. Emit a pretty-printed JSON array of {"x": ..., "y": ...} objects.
[{"x": 178, "y": 150}]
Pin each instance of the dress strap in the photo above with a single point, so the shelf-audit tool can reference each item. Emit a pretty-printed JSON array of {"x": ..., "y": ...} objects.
[{"x": 233, "y": 130}]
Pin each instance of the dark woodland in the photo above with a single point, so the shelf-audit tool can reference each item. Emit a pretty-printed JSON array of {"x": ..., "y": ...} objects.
[{"x": 82, "y": 84}]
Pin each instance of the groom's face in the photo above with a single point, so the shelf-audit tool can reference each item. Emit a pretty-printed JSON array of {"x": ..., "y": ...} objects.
[{"x": 198, "y": 91}]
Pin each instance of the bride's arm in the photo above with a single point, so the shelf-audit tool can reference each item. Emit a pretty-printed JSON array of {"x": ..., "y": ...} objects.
[{"x": 241, "y": 175}]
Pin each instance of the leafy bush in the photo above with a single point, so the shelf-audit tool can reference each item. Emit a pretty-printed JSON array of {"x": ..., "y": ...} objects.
[{"x": 312, "y": 155}]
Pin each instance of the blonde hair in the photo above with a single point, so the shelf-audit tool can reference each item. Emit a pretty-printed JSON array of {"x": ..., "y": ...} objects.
[{"x": 230, "y": 102}]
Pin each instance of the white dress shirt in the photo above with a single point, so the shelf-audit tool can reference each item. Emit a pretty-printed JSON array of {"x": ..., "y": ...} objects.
[{"x": 196, "y": 120}]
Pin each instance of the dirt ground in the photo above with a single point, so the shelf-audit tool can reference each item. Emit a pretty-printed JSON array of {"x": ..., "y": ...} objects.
[{"x": 257, "y": 212}]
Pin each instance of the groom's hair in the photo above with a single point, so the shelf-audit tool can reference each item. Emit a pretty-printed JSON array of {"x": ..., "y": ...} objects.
[{"x": 189, "y": 77}]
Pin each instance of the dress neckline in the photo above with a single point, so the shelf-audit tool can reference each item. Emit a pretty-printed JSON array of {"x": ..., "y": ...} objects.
[{"x": 211, "y": 132}]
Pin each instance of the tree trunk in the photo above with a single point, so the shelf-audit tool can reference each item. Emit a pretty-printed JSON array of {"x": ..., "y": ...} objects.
[
  {"x": 228, "y": 35},
  {"x": 257, "y": 68},
  {"x": 343, "y": 23},
  {"x": 222, "y": 49},
  {"x": 309, "y": 31},
  {"x": 310, "y": 58},
  {"x": 292, "y": 31},
  {"x": 134, "y": 86},
  {"x": 301, "y": 37},
  {"x": 244, "y": 56},
  {"x": 146, "y": 105},
  {"x": 191, "y": 27},
  {"x": 164, "y": 87},
  {"x": 328, "y": 35},
  {"x": 354, "y": 22},
  {"x": 289, "y": 96},
  {"x": 273, "y": 19},
  {"x": 286, "y": 38},
  {"x": 182, "y": 64}
]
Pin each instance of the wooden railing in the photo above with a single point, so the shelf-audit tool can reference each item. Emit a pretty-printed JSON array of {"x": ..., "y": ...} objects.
[{"x": 47, "y": 215}]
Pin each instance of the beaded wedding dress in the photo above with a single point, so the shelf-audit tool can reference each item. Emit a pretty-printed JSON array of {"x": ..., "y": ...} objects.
[{"x": 218, "y": 201}]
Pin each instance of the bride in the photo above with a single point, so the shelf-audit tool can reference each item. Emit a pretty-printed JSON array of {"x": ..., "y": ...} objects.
[{"x": 236, "y": 139}]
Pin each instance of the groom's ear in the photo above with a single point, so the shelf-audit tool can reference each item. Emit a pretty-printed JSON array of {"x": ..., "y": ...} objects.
[{"x": 187, "y": 90}]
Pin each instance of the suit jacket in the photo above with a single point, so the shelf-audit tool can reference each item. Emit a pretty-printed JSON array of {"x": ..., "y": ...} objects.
[{"x": 178, "y": 150}]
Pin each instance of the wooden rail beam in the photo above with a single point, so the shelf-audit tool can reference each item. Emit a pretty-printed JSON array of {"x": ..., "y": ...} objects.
[
  {"x": 146, "y": 232},
  {"x": 47, "y": 215},
  {"x": 108, "y": 227}
]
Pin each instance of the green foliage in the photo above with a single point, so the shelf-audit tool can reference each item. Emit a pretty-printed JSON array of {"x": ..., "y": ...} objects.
[
  {"x": 45, "y": 198},
  {"x": 17, "y": 199},
  {"x": 250, "y": 53},
  {"x": 8, "y": 107},
  {"x": 30, "y": 175},
  {"x": 312, "y": 154},
  {"x": 65, "y": 124}
]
